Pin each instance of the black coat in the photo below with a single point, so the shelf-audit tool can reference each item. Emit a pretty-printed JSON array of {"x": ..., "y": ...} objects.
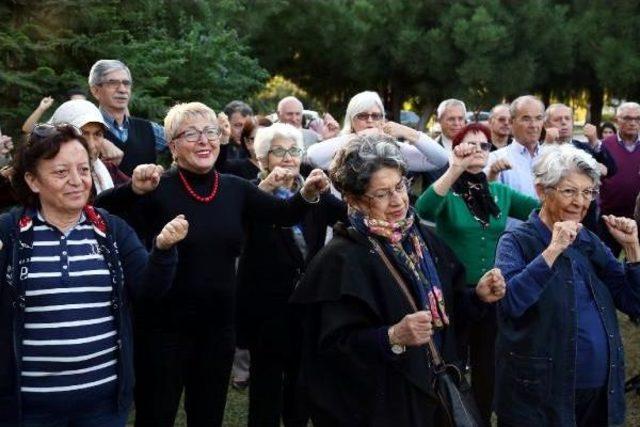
[
  {"x": 271, "y": 265},
  {"x": 350, "y": 299}
]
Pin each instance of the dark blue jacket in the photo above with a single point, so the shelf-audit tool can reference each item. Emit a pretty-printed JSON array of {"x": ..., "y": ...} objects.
[
  {"x": 134, "y": 273},
  {"x": 537, "y": 323}
]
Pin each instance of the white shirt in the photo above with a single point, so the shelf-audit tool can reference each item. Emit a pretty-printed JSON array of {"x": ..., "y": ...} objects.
[
  {"x": 520, "y": 176},
  {"x": 425, "y": 155}
]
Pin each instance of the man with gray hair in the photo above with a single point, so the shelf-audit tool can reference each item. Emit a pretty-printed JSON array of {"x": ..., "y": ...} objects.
[
  {"x": 618, "y": 192},
  {"x": 290, "y": 111},
  {"x": 512, "y": 165},
  {"x": 110, "y": 83},
  {"x": 452, "y": 116}
]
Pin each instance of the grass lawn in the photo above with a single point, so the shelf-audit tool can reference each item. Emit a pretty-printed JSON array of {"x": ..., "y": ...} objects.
[{"x": 236, "y": 412}]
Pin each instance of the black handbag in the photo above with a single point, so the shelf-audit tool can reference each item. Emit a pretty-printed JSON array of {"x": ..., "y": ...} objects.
[{"x": 450, "y": 385}]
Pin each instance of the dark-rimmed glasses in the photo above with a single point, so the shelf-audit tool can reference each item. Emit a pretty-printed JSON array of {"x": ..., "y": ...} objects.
[
  {"x": 193, "y": 135},
  {"x": 281, "y": 152}
]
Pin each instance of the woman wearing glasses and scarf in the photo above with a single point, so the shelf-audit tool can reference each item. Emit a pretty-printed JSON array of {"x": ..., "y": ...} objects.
[
  {"x": 364, "y": 359},
  {"x": 185, "y": 341},
  {"x": 559, "y": 354},
  {"x": 470, "y": 215},
  {"x": 273, "y": 260}
]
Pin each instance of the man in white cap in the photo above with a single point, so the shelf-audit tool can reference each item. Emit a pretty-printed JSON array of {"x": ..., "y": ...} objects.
[{"x": 86, "y": 117}]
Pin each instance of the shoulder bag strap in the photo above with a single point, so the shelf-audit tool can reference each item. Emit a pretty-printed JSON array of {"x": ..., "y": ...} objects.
[{"x": 435, "y": 354}]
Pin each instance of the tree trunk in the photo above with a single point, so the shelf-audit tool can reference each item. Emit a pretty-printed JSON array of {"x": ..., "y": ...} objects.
[{"x": 596, "y": 101}]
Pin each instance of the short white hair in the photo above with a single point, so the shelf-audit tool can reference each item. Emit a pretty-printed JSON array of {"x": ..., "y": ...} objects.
[
  {"x": 448, "y": 103},
  {"x": 627, "y": 106},
  {"x": 552, "y": 107},
  {"x": 266, "y": 136},
  {"x": 287, "y": 99},
  {"x": 556, "y": 161},
  {"x": 359, "y": 103},
  {"x": 516, "y": 103}
]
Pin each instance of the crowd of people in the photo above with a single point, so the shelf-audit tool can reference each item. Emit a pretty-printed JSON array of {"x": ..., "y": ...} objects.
[{"x": 318, "y": 265}]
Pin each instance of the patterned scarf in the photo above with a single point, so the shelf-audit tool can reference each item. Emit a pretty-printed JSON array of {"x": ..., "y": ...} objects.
[{"x": 402, "y": 240}]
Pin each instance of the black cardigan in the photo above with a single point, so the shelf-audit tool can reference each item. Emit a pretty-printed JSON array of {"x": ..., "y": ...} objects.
[
  {"x": 349, "y": 296},
  {"x": 271, "y": 263}
]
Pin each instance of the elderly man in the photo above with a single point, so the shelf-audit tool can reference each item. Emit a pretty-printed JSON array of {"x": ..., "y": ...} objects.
[
  {"x": 290, "y": 111},
  {"x": 558, "y": 122},
  {"x": 238, "y": 113},
  {"x": 110, "y": 82},
  {"x": 618, "y": 193},
  {"x": 500, "y": 126},
  {"x": 451, "y": 114},
  {"x": 512, "y": 165}
]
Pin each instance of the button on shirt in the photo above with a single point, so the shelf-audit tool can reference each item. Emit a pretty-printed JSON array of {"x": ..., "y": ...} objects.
[
  {"x": 520, "y": 176},
  {"x": 122, "y": 131}
]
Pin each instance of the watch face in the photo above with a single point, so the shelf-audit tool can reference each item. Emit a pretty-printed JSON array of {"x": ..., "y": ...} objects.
[{"x": 397, "y": 349}]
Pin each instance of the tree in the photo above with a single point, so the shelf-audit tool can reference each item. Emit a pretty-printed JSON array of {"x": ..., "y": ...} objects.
[{"x": 177, "y": 51}]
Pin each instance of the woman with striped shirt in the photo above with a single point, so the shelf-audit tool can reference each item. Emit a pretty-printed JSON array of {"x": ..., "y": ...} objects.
[{"x": 68, "y": 272}]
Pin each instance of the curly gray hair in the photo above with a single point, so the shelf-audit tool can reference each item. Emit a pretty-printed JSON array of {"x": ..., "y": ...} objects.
[
  {"x": 558, "y": 161},
  {"x": 364, "y": 155}
]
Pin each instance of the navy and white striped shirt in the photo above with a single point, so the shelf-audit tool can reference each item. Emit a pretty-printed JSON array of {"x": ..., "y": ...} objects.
[{"x": 69, "y": 347}]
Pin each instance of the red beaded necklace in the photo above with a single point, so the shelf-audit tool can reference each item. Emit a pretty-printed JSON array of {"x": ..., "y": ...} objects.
[{"x": 195, "y": 195}]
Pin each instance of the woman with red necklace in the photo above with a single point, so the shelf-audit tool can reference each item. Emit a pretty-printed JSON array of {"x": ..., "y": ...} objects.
[{"x": 186, "y": 339}]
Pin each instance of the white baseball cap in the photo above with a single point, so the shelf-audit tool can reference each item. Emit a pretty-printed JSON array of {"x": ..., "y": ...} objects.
[{"x": 77, "y": 112}]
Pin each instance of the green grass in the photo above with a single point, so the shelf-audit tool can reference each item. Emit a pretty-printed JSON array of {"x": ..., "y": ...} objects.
[{"x": 236, "y": 411}]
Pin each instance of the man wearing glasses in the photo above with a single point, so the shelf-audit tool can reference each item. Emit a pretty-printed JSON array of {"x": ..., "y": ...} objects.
[
  {"x": 618, "y": 192},
  {"x": 110, "y": 82}
]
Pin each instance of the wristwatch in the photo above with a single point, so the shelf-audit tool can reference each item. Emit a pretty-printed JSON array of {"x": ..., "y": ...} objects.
[{"x": 396, "y": 348}]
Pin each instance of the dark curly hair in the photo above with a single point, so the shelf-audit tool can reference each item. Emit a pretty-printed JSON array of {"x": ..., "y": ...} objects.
[
  {"x": 43, "y": 143},
  {"x": 355, "y": 163}
]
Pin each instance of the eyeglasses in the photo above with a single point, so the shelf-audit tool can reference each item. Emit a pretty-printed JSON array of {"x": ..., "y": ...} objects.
[
  {"x": 384, "y": 196},
  {"x": 630, "y": 119},
  {"x": 375, "y": 117},
  {"x": 281, "y": 152},
  {"x": 484, "y": 146},
  {"x": 193, "y": 135},
  {"x": 572, "y": 193},
  {"x": 114, "y": 83}
]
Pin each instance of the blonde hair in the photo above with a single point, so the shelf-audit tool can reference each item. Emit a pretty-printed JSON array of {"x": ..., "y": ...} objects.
[{"x": 185, "y": 111}]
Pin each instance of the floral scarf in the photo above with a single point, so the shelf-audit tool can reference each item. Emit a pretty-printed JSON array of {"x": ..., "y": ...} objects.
[{"x": 403, "y": 242}]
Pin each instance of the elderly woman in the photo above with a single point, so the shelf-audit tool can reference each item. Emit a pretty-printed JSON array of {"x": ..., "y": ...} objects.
[
  {"x": 364, "y": 359},
  {"x": 559, "y": 349},
  {"x": 272, "y": 262},
  {"x": 365, "y": 114},
  {"x": 87, "y": 118},
  {"x": 186, "y": 340},
  {"x": 462, "y": 203},
  {"x": 68, "y": 272}
]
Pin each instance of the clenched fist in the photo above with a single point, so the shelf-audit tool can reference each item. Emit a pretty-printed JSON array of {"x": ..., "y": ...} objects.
[
  {"x": 413, "y": 330},
  {"x": 146, "y": 178},
  {"x": 491, "y": 287},
  {"x": 173, "y": 232}
]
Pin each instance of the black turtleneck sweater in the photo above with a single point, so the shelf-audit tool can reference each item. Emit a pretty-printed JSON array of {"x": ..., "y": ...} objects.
[{"x": 204, "y": 289}]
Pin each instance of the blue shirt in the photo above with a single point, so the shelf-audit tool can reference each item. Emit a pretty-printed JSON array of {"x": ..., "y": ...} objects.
[
  {"x": 592, "y": 347},
  {"x": 122, "y": 131}
]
